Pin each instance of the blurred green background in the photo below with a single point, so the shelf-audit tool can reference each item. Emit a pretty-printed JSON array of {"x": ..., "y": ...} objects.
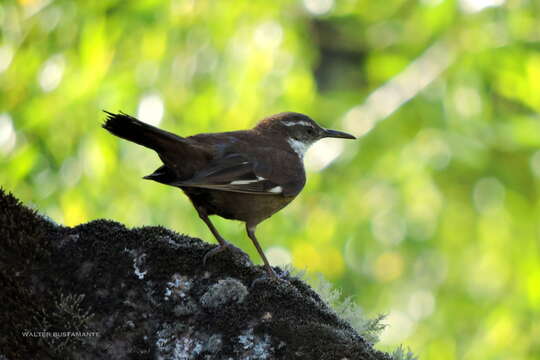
[{"x": 431, "y": 217}]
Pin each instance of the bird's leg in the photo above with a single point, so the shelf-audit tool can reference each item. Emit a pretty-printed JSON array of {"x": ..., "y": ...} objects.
[
  {"x": 223, "y": 244},
  {"x": 206, "y": 219},
  {"x": 251, "y": 233}
]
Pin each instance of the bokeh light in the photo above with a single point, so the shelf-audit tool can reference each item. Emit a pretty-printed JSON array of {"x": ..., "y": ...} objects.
[{"x": 432, "y": 216}]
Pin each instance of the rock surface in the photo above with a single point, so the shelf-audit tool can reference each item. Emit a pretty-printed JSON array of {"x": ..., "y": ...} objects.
[{"x": 102, "y": 291}]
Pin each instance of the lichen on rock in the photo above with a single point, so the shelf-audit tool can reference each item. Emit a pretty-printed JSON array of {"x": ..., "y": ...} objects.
[{"x": 226, "y": 291}]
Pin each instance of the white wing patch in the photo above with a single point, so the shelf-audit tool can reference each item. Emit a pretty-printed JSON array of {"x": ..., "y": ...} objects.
[
  {"x": 276, "y": 190},
  {"x": 242, "y": 182},
  {"x": 245, "y": 182}
]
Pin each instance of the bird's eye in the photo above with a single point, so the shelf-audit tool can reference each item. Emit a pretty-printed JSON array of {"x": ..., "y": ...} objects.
[{"x": 310, "y": 131}]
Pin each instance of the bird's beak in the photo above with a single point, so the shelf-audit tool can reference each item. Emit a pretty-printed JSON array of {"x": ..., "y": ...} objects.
[{"x": 337, "y": 134}]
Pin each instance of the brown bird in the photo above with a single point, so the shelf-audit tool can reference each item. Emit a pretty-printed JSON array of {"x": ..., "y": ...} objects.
[{"x": 245, "y": 175}]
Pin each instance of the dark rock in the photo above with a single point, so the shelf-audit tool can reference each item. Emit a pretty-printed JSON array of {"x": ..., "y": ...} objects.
[{"x": 102, "y": 291}]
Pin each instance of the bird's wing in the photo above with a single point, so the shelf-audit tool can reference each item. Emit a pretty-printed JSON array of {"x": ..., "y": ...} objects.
[{"x": 236, "y": 173}]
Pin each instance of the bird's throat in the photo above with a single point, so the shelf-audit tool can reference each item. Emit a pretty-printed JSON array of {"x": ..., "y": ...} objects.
[{"x": 298, "y": 146}]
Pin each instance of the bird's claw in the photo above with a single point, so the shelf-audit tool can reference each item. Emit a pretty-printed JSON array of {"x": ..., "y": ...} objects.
[
  {"x": 272, "y": 276},
  {"x": 226, "y": 245}
]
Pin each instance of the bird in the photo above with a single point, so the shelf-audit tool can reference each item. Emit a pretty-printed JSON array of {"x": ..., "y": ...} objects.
[{"x": 245, "y": 175}]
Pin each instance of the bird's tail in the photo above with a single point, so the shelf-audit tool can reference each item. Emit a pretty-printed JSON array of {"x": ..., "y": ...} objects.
[{"x": 129, "y": 128}]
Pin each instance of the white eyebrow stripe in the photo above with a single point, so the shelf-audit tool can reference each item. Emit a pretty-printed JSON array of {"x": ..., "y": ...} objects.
[
  {"x": 276, "y": 190},
  {"x": 293, "y": 123}
]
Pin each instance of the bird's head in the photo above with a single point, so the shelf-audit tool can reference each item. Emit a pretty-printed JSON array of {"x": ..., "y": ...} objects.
[{"x": 299, "y": 130}]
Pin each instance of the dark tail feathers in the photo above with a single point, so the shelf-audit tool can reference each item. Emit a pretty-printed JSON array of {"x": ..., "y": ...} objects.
[
  {"x": 129, "y": 128},
  {"x": 162, "y": 175}
]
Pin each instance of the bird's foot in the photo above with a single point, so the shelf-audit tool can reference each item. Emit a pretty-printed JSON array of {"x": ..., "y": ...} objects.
[
  {"x": 270, "y": 275},
  {"x": 224, "y": 246}
]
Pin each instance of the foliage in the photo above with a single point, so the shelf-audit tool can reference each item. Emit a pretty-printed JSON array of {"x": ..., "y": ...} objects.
[
  {"x": 431, "y": 217},
  {"x": 401, "y": 354}
]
